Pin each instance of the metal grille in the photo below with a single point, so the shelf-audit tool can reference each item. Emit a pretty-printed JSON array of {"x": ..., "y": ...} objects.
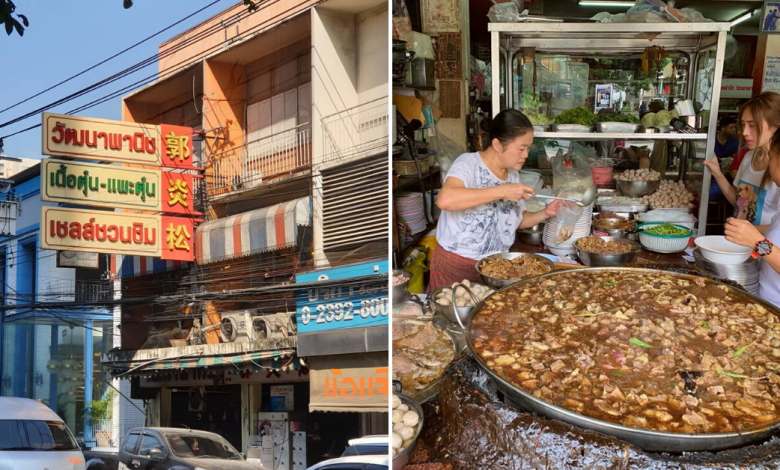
[
  {"x": 355, "y": 203},
  {"x": 355, "y": 132}
]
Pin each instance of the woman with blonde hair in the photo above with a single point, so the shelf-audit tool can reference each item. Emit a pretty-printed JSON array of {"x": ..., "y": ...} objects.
[{"x": 759, "y": 119}]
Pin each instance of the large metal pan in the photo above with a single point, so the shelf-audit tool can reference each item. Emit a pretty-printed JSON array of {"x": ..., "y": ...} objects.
[
  {"x": 498, "y": 283},
  {"x": 652, "y": 441}
]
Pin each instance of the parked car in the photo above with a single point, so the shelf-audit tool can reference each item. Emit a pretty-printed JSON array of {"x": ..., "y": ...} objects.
[
  {"x": 368, "y": 445},
  {"x": 32, "y": 436},
  {"x": 355, "y": 462},
  {"x": 171, "y": 448}
]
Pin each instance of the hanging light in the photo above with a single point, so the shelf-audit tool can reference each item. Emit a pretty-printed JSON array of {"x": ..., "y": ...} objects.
[{"x": 743, "y": 18}]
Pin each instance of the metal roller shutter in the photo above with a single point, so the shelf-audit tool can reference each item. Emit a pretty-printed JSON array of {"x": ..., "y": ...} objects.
[{"x": 356, "y": 203}]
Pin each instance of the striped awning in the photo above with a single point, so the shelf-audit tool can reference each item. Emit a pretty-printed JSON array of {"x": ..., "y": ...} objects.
[
  {"x": 133, "y": 266},
  {"x": 253, "y": 360},
  {"x": 258, "y": 231}
]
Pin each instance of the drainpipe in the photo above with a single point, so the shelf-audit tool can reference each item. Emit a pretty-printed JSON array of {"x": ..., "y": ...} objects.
[{"x": 88, "y": 438}]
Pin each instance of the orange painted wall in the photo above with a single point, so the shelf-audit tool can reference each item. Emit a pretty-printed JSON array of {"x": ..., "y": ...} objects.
[{"x": 211, "y": 34}]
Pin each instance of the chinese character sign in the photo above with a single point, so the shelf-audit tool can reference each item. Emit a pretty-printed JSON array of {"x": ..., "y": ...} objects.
[
  {"x": 178, "y": 240},
  {"x": 178, "y": 194},
  {"x": 177, "y": 147}
]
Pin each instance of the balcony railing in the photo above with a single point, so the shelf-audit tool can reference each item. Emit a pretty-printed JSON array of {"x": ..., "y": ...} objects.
[
  {"x": 355, "y": 132},
  {"x": 261, "y": 160},
  {"x": 61, "y": 290}
]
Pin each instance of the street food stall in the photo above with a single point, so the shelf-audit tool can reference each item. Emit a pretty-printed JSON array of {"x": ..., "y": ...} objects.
[{"x": 620, "y": 343}]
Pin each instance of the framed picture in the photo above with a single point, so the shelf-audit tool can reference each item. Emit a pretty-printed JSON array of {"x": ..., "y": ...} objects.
[{"x": 770, "y": 18}]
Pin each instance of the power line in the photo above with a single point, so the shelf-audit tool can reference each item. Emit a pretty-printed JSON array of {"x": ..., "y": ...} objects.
[
  {"x": 173, "y": 69},
  {"x": 109, "y": 58}
]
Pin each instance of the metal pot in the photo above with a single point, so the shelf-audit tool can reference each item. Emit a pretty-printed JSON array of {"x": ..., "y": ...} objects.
[
  {"x": 400, "y": 292},
  {"x": 400, "y": 460},
  {"x": 613, "y": 232},
  {"x": 453, "y": 313},
  {"x": 651, "y": 441},
  {"x": 637, "y": 188},
  {"x": 532, "y": 236},
  {"x": 590, "y": 258},
  {"x": 499, "y": 283}
]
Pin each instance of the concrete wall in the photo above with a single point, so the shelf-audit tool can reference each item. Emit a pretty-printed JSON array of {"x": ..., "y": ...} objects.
[{"x": 373, "y": 47}]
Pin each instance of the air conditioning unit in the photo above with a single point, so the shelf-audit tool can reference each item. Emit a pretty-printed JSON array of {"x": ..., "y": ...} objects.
[
  {"x": 233, "y": 328},
  {"x": 278, "y": 325}
]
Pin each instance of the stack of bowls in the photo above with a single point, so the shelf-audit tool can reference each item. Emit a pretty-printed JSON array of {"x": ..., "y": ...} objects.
[
  {"x": 581, "y": 229},
  {"x": 745, "y": 274}
]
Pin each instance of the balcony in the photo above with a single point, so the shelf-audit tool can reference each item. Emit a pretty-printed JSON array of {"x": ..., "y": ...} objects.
[
  {"x": 60, "y": 290},
  {"x": 355, "y": 133},
  {"x": 261, "y": 161}
]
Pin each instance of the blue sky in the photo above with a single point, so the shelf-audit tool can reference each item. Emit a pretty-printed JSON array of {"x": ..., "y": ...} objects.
[{"x": 66, "y": 37}]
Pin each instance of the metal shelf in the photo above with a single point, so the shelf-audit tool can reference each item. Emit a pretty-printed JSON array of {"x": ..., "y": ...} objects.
[{"x": 616, "y": 136}]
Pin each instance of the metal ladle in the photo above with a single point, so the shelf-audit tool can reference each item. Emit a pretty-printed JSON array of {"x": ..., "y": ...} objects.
[{"x": 575, "y": 201}]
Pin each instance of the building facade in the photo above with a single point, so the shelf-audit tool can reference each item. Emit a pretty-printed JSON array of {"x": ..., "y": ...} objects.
[
  {"x": 290, "y": 109},
  {"x": 57, "y": 320}
]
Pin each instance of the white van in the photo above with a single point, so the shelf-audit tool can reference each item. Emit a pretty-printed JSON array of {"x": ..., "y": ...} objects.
[{"x": 32, "y": 436}]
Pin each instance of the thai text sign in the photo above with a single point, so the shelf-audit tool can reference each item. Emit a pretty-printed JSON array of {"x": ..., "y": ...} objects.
[
  {"x": 736, "y": 88},
  {"x": 355, "y": 304},
  {"x": 349, "y": 382},
  {"x": 169, "y": 238},
  {"x": 117, "y": 141},
  {"x": 116, "y": 187}
]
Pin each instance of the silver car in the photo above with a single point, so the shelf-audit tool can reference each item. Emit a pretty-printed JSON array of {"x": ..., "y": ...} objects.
[{"x": 32, "y": 436}]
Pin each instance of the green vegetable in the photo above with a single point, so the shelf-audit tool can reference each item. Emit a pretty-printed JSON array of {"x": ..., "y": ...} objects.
[
  {"x": 618, "y": 373},
  {"x": 639, "y": 342},
  {"x": 705, "y": 324},
  {"x": 648, "y": 120},
  {"x": 538, "y": 119},
  {"x": 668, "y": 230},
  {"x": 580, "y": 115},
  {"x": 609, "y": 284},
  {"x": 618, "y": 117},
  {"x": 663, "y": 118},
  {"x": 739, "y": 351}
]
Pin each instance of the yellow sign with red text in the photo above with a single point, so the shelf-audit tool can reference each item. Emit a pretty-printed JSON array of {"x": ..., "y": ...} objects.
[
  {"x": 169, "y": 238},
  {"x": 117, "y": 141}
]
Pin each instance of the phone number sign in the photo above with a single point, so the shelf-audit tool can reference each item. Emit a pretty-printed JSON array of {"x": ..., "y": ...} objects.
[{"x": 351, "y": 305}]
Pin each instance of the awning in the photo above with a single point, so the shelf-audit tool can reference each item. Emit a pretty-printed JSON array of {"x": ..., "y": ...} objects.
[
  {"x": 214, "y": 356},
  {"x": 133, "y": 266},
  {"x": 350, "y": 383},
  {"x": 258, "y": 231}
]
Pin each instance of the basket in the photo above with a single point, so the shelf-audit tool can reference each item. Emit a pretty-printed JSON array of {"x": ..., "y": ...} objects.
[
  {"x": 664, "y": 243},
  {"x": 601, "y": 175},
  {"x": 409, "y": 167}
]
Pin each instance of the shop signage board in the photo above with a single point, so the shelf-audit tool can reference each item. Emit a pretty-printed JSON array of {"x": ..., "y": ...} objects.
[
  {"x": 772, "y": 74},
  {"x": 736, "y": 88},
  {"x": 287, "y": 395},
  {"x": 82, "y": 230},
  {"x": 117, "y": 187},
  {"x": 75, "y": 259},
  {"x": 349, "y": 382},
  {"x": 356, "y": 304},
  {"x": 104, "y": 140}
]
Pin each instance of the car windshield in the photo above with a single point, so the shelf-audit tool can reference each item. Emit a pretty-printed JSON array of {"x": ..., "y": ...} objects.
[
  {"x": 366, "y": 449},
  {"x": 186, "y": 445},
  {"x": 33, "y": 435}
]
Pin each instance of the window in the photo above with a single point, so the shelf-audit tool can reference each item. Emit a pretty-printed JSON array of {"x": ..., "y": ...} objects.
[
  {"x": 26, "y": 272},
  {"x": 149, "y": 443},
  {"x": 131, "y": 443},
  {"x": 366, "y": 449},
  {"x": 24, "y": 435}
]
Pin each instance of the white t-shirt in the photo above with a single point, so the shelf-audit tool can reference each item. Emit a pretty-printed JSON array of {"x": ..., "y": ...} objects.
[
  {"x": 757, "y": 205},
  {"x": 769, "y": 279},
  {"x": 486, "y": 229}
]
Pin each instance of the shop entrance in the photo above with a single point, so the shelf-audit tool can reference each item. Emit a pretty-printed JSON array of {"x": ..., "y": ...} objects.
[
  {"x": 328, "y": 434},
  {"x": 214, "y": 409}
]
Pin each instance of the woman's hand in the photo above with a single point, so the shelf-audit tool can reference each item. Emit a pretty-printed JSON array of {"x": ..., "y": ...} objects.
[
  {"x": 742, "y": 233},
  {"x": 516, "y": 191},
  {"x": 714, "y": 165},
  {"x": 552, "y": 209}
]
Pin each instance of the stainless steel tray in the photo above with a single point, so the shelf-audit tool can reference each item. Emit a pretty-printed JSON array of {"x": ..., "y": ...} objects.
[
  {"x": 618, "y": 208},
  {"x": 649, "y": 440},
  {"x": 572, "y": 128}
]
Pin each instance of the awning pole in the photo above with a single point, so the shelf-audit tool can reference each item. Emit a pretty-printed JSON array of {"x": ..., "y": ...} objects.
[{"x": 123, "y": 396}]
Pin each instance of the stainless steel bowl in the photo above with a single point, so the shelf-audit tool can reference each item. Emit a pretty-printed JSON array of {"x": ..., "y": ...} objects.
[
  {"x": 532, "y": 236},
  {"x": 612, "y": 232},
  {"x": 499, "y": 283},
  {"x": 637, "y": 188},
  {"x": 399, "y": 292},
  {"x": 616, "y": 127},
  {"x": 451, "y": 312},
  {"x": 600, "y": 260},
  {"x": 400, "y": 460}
]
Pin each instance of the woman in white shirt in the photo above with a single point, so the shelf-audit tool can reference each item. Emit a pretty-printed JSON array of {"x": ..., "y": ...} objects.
[
  {"x": 482, "y": 202},
  {"x": 754, "y": 196},
  {"x": 760, "y": 239}
]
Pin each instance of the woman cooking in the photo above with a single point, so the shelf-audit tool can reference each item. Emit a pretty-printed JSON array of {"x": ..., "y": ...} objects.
[
  {"x": 482, "y": 202},
  {"x": 760, "y": 238},
  {"x": 753, "y": 194}
]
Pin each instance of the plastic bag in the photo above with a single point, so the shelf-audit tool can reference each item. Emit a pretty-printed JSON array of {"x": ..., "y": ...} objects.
[
  {"x": 572, "y": 176},
  {"x": 447, "y": 151},
  {"x": 568, "y": 214},
  {"x": 420, "y": 43},
  {"x": 504, "y": 13}
]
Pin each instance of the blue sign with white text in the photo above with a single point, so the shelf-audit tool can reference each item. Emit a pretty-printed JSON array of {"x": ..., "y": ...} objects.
[{"x": 350, "y": 304}]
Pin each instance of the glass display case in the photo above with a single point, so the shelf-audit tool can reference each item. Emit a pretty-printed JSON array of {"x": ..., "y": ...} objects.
[{"x": 624, "y": 70}]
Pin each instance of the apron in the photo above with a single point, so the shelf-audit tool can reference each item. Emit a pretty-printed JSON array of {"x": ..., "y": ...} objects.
[{"x": 447, "y": 268}]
